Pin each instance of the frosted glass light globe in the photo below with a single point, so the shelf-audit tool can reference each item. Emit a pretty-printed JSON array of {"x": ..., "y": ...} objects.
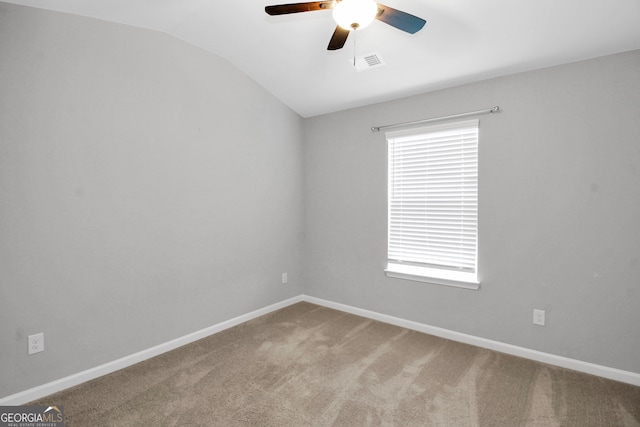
[{"x": 355, "y": 14}]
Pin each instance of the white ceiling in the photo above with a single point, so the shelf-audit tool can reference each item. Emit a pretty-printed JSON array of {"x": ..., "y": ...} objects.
[{"x": 463, "y": 41}]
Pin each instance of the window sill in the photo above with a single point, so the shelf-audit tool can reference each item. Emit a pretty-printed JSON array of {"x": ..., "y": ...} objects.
[{"x": 433, "y": 275}]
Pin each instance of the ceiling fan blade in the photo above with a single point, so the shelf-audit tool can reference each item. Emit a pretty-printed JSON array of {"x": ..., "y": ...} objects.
[
  {"x": 338, "y": 38},
  {"x": 401, "y": 20},
  {"x": 283, "y": 9}
]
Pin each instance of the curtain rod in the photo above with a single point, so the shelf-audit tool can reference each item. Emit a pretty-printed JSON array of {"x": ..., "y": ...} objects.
[{"x": 435, "y": 119}]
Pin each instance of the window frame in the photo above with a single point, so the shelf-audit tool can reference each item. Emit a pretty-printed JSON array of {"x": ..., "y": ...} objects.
[{"x": 424, "y": 272}]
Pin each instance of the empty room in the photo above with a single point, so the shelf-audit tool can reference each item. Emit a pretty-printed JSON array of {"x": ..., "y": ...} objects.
[{"x": 247, "y": 213}]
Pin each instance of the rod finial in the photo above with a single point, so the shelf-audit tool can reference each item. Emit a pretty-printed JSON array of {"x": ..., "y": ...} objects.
[{"x": 495, "y": 109}]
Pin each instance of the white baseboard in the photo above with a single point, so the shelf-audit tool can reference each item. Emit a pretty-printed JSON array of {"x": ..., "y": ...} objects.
[
  {"x": 81, "y": 377},
  {"x": 551, "y": 359},
  {"x": 75, "y": 379}
]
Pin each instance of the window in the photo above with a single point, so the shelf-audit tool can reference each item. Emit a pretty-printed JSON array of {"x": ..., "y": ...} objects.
[{"x": 433, "y": 204}]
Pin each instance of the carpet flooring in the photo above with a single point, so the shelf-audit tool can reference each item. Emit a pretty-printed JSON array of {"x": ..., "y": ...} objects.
[{"x": 306, "y": 365}]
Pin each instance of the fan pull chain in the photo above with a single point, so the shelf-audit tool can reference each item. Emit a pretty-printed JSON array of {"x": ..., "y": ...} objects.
[{"x": 354, "y": 47}]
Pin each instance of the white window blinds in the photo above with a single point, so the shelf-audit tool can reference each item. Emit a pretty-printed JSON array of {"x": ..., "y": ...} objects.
[{"x": 433, "y": 196}]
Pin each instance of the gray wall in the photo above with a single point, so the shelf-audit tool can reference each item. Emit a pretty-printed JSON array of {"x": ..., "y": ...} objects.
[
  {"x": 559, "y": 211},
  {"x": 147, "y": 190}
]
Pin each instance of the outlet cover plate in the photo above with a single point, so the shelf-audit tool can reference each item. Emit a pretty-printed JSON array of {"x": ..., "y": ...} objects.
[
  {"x": 36, "y": 343},
  {"x": 538, "y": 317}
]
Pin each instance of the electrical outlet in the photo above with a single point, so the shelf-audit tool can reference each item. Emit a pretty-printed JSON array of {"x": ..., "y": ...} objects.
[
  {"x": 36, "y": 343},
  {"x": 285, "y": 278},
  {"x": 538, "y": 317}
]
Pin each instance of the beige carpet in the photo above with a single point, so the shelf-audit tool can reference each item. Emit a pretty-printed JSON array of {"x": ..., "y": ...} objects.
[{"x": 307, "y": 365}]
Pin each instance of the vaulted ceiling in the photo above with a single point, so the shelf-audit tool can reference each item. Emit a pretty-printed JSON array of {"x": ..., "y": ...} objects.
[{"x": 463, "y": 41}]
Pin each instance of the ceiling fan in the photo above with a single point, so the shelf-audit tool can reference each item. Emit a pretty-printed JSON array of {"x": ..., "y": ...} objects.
[{"x": 351, "y": 15}]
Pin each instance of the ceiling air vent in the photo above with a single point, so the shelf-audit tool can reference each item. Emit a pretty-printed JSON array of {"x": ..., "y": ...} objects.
[{"x": 368, "y": 61}]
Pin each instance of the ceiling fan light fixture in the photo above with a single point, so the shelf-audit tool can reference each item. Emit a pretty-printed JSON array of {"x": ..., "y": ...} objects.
[{"x": 354, "y": 14}]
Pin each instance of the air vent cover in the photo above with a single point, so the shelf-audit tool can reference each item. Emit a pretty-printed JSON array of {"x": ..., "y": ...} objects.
[{"x": 368, "y": 61}]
